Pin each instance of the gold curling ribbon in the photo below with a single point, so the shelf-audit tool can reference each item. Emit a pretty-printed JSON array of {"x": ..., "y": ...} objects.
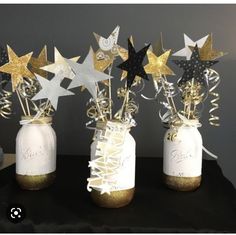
[{"x": 214, "y": 78}]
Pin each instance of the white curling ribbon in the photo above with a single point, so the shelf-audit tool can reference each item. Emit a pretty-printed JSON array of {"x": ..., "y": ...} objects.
[
  {"x": 35, "y": 150},
  {"x": 32, "y": 119},
  {"x": 112, "y": 159}
]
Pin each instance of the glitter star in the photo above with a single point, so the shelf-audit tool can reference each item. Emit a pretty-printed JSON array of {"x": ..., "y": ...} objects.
[
  {"x": 194, "y": 68},
  {"x": 17, "y": 67},
  {"x": 157, "y": 65},
  {"x": 207, "y": 52},
  {"x": 40, "y": 61},
  {"x": 133, "y": 65}
]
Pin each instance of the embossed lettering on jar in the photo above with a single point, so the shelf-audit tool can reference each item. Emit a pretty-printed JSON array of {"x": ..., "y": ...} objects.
[
  {"x": 36, "y": 154},
  {"x": 182, "y": 158}
]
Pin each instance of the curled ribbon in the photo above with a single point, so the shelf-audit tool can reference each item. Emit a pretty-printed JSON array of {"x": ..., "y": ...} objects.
[
  {"x": 213, "y": 78},
  {"x": 5, "y": 103},
  {"x": 103, "y": 103}
]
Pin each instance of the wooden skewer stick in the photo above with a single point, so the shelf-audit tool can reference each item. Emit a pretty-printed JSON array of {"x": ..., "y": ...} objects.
[
  {"x": 21, "y": 103},
  {"x": 98, "y": 107},
  {"x": 190, "y": 105},
  {"x": 27, "y": 106},
  {"x": 109, "y": 90}
]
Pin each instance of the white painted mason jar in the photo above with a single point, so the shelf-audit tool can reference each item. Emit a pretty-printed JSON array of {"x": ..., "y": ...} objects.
[
  {"x": 36, "y": 154},
  {"x": 122, "y": 150},
  {"x": 182, "y": 158}
]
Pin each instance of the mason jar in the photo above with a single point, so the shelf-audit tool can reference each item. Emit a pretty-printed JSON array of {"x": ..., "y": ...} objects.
[
  {"x": 113, "y": 149},
  {"x": 36, "y": 153},
  {"x": 182, "y": 158}
]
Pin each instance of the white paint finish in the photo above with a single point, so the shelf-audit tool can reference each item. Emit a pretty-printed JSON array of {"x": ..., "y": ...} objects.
[
  {"x": 35, "y": 149},
  {"x": 183, "y": 155}
]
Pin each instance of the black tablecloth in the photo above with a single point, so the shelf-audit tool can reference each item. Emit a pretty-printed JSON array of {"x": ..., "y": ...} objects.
[{"x": 66, "y": 206}]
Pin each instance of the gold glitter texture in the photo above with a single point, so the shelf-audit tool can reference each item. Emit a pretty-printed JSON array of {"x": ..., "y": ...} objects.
[
  {"x": 207, "y": 52},
  {"x": 157, "y": 65},
  {"x": 17, "y": 67},
  {"x": 40, "y": 61}
]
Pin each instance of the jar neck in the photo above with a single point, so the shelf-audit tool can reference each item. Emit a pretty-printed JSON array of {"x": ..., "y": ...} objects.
[
  {"x": 41, "y": 120},
  {"x": 101, "y": 125}
]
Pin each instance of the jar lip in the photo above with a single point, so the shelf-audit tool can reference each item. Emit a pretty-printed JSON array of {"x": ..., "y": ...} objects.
[
  {"x": 102, "y": 124},
  {"x": 41, "y": 120}
]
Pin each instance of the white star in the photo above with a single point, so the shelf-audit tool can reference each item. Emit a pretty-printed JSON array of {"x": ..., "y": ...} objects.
[
  {"x": 107, "y": 44},
  {"x": 105, "y": 188},
  {"x": 92, "y": 164},
  {"x": 51, "y": 89},
  {"x": 86, "y": 75},
  {"x": 60, "y": 65},
  {"x": 186, "y": 51}
]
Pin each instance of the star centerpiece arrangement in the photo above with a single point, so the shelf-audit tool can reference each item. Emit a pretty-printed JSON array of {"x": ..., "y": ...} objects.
[
  {"x": 37, "y": 94},
  {"x": 197, "y": 83}
]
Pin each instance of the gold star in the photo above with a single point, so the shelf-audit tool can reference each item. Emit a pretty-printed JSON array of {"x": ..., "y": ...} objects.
[
  {"x": 207, "y": 52},
  {"x": 101, "y": 63},
  {"x": 40, "y": 61},
  {"x": 17, "y": 67},
  {"x": 124, "y": 54},
  {"x": 157, "y": 65}
]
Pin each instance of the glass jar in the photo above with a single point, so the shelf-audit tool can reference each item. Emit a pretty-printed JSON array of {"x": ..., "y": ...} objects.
[
  {"x": 36, "y": 154},
  {"x": 182, "y": 158},
  {"x": 112, "y": 175}
]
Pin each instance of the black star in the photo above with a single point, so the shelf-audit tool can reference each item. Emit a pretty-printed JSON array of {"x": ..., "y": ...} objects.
[
  {"x": 133, "y": 65},
  {"x": 4, "y": 77},
  {"x": 194, "y": 68}
]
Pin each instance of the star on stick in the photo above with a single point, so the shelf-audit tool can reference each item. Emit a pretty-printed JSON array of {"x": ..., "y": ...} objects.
[
  {"x": 51, "y": 89},
  {"x": 157, "y": 65},
  {"x": 17, "y": 67},
  {"x": 194, "y": 68},
  {"x": 124, "y": 54},
  {"x": 133, "y": 65},
  {"x": 40, "y": 61},
  {"x": 108, "y": 46},
  {"x": 158, "y": 48},
  {"x": 86, "y": 74},
  {"x": 186, "y": 51},
  {"x": 4, "y": 77},
  {"x": 60, "y": 65},
  {"x": 207, "y": 52}
]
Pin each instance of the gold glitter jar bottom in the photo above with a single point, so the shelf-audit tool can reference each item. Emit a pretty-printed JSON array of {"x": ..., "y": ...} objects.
[
  {"x": 116, "y": 199},
  {"x": 35, "y": 182},
  {"x": 182, "y": 183}
]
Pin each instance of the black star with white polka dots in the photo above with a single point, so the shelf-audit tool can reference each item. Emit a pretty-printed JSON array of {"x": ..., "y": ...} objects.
[
  {"x": 194, "y": 68},
  {"x": 133, "y": 65},
  {"x": 5, "y": 77}
]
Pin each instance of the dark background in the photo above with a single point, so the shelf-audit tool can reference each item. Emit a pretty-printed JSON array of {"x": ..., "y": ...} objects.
[{"x": 69, "y": 27}]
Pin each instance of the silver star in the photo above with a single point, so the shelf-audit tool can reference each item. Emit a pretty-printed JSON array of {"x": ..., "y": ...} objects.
[
  {"x": 60, "y": 65},
  {"x": 86, "y": 75},
  {"x": 51, "y": 89},
  {"x": 186, "y": 51}
]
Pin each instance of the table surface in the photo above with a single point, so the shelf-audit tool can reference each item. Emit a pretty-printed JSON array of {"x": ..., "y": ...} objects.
[{"x": 66, "y": 206}]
